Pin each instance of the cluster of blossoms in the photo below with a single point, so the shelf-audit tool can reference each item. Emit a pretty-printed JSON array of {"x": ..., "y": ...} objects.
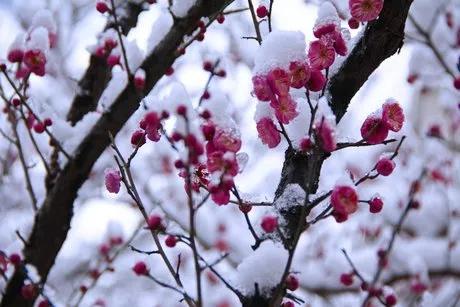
[
  {"x": 274, "y": 87},
  {"x": 211, "y": 160},
  {"x": 30, "y": 50}
]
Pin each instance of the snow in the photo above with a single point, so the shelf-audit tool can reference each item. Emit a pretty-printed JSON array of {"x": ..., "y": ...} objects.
[
  {"x": 114, "y": 88},
  {"x": 264, "y": 267},
  {"x": 292, "y": 196},
  {"x": 159, "y": 30},
  {"x": 181, "y": 7},
  {"x": 39, "y": 39},
  {"x": 279, "y": 49}
]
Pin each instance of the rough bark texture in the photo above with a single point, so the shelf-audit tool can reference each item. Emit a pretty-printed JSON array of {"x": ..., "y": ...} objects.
[
  {"x": 52, "y": 221},
  {"x": 98, "y": 74},
  {"x": 382, "y": 38}
]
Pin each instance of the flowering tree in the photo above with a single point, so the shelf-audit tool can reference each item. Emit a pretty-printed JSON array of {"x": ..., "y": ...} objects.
[{"x": 186, "y": 135}]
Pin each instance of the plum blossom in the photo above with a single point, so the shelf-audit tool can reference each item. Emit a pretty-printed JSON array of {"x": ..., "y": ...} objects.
[
  {"x": 365, "y": 10},
  {"x": 268, "y": 132},
  {"x": 344, "y": 199},
  {"x": 392, "y": 115},
  {"x": 321, "y": 54},
  {"x": 285, "y": 109}
]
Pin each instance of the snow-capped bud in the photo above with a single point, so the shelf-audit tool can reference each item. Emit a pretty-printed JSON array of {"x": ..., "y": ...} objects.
[
  {"x": 385, "y": 166},
  {"x": 112, "y": 180},
  {"x": 292, "y": 282},
  {"x": 140, "y": 268},
  {"x": 269, "y": 223},
  {"x": 139, "y": 79}
]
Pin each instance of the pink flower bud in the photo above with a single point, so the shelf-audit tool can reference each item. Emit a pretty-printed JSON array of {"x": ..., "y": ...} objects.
[
  {"x": 269, "y": 223},
  {"x": 375, "y": 205},
  {"x": 112, "y": 180},
  {"x": 385, "y": 166},
  {"x": 140, "y": 268},
  {"x": 261, "y": 11}
]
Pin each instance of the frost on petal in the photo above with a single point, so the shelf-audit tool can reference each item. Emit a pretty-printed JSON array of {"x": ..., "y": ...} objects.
[
  {"x": 268, "y": 132},
  {"x": 374, "y": 130},
  {"x": 264, "y": 266},
  {"x": 112, "y": 180},
  {"x": 365, "y": 10},
  {"x": 393, "y": 115}
]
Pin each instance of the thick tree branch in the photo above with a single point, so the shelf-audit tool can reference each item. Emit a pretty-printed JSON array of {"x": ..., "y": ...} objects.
[{"x": 52, "y": 221}]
